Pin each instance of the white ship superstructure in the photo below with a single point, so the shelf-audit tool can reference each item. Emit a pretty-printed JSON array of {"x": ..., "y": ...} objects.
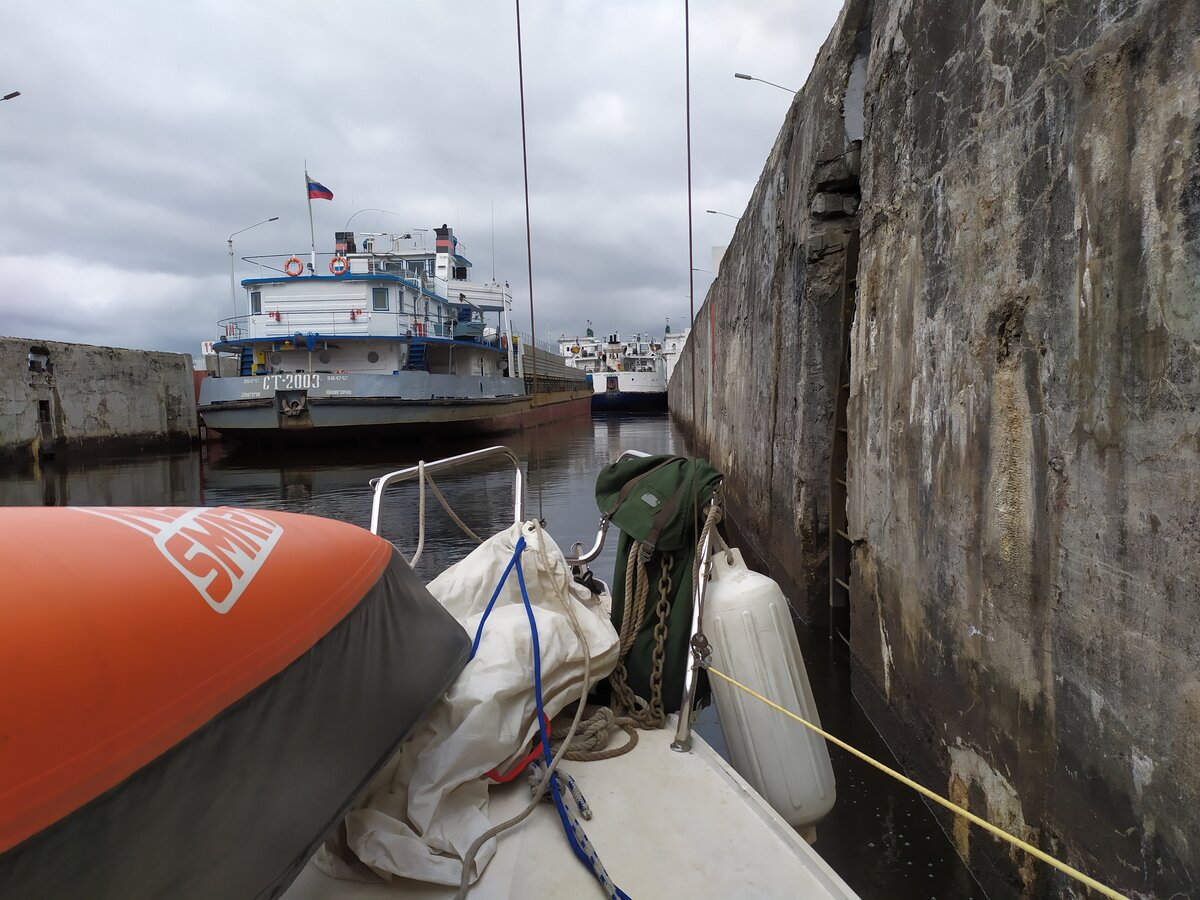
[
  {"x": 625, "y": 374},
  {"x": 395, "y": 335}
]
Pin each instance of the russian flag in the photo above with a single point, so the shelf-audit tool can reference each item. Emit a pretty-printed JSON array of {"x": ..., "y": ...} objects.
[{"x": 318, "y": 191}]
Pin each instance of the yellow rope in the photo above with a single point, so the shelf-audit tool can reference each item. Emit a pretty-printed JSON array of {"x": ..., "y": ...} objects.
[{"x": 936, "y": 798}]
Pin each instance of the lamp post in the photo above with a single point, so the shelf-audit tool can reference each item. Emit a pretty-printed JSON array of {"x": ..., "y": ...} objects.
[
  {"x": 11, "y": 95},
  {"x": 717, "y": 212},
  {"x": 746, "y": 77},
  {"x": 232, "y": 289}
]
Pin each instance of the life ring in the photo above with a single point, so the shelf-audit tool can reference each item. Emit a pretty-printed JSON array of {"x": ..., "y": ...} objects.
[
  {"x": 287, "y": 266},
  {"x": 338, "y": 266}
]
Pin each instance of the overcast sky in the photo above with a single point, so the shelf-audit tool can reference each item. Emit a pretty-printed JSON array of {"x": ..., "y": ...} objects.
[{"x": 147, "y": 132}]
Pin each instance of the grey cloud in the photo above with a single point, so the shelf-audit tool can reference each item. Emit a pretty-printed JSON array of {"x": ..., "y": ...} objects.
[{"x": 147, "y": 133}]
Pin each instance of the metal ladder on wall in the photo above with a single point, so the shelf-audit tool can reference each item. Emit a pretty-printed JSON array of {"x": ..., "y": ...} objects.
[
  {"x": 841, "y": 545},
  {"x": 246, "y": 366}
]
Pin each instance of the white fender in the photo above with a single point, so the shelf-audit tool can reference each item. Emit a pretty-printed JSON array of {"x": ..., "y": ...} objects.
[{"x": 749, "y": 627}]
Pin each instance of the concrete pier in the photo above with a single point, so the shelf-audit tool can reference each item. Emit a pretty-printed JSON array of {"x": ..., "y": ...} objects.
[{"x": 61, "y": 399}]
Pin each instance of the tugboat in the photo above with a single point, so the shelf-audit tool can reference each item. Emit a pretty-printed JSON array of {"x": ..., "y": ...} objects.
[{"x": 392, "y": 339}]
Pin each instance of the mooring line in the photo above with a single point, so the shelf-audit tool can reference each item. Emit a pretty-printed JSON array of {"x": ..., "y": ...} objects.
[{"x": 926, "y": 792}]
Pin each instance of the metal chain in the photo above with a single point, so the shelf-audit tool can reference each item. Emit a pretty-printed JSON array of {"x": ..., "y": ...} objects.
[{"x": 657, "y": 713}]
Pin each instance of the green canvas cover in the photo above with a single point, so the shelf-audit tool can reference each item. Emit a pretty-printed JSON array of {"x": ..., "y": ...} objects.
[{"x": 664, "y": 498}]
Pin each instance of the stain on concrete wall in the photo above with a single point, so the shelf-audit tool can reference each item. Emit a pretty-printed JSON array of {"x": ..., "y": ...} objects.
[
  {"x": 1023, "y": 472},
  {"x": 64, "y": 399}
]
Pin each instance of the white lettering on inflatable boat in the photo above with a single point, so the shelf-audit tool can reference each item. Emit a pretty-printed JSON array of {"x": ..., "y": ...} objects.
[{"x": 218, "y": 550}]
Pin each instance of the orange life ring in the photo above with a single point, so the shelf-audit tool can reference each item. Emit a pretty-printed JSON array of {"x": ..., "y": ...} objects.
[
  {"x": 338, "y": 266},
  {"x": 287, "y": 266}
]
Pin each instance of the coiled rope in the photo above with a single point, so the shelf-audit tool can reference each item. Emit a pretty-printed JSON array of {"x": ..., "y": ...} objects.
[{"x": 926, "y": 792}]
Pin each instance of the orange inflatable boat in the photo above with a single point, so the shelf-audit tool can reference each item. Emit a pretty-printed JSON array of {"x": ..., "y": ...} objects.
[{"x": 191, "y": 698}]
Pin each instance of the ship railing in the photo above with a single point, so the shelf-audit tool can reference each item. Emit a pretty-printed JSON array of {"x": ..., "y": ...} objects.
[
  {"x": 549, "y": 384},
  {"x": 380, "y": 484},
  {"x": 412, "y": 272},
  {"x": 548, "y": 346},
  {"x": 273, "y": 264},
  {"x": 233, "y": 329},
  {"x": 345, "y": 321}
]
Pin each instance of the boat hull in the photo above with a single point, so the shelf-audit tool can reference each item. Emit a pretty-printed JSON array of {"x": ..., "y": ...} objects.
[
  {"x": 408, "y": 404},
  {"x": 630, "y": 401},
  {"x": 628, "y": 391}
]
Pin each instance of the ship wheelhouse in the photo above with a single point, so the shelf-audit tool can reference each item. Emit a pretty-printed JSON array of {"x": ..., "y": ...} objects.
[{"x": 384, "y": 309}]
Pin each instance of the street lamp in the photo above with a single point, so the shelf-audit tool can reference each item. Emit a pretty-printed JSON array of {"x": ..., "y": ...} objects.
[
  {"x": 10, "y": 96},
  {"x": 717, "y": 212},
  {"x": 232, "y": 289},
  {"x": 745, "y": 77}
]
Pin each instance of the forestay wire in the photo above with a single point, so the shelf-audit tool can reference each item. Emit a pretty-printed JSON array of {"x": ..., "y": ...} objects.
[
  {"x": 687, "y": 94},
  {"x": 529, "y": 255}
]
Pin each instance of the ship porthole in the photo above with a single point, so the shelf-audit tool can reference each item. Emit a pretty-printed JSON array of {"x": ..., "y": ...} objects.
[
  {"x": 276, "y": 359},
  {"x": 372, "y": 357},
  {"x": 323, "y": 356}
]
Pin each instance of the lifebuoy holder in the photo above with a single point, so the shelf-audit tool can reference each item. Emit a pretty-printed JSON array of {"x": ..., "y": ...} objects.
[
  {"x": 287, "y": 267},
  {"x": 338, "y": 266}
]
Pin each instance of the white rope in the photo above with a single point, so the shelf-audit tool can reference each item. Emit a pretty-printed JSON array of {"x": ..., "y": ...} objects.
[
  {"x": 420, "y": 514},
  {"x": 450, "y": 511},
  {"x": 473, "y": 850}
]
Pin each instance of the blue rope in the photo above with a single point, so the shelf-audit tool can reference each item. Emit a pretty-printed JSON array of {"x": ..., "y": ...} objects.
[
  {"x": 520, "y": 546},
  {"x": 571, "y": 827}
]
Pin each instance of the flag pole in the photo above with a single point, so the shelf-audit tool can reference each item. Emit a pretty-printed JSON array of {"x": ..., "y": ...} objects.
[{"x": 312, "y": 264}]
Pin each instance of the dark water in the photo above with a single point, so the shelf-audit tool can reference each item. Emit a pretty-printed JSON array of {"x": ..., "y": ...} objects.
[{"x": 879, "y": 837}]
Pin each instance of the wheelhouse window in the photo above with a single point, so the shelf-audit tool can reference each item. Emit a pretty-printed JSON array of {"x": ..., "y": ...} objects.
[
  {"x": 255, "y": 303},
  {"x": 379, "y": 299}
]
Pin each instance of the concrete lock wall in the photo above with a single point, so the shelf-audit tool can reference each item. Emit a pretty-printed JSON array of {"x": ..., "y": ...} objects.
[
  {"x": 1022, "y": 481},
  {"x": 58, "y": 398}
]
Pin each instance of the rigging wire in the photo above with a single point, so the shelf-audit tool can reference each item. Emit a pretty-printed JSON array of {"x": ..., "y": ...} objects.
[
  {"x": 687, "y": 90},
  {"x": 529, "y": 255},
  {"x": 687, "y": 95}
]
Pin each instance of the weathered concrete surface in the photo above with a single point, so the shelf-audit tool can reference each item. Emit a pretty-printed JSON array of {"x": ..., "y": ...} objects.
[
  {"x": 777, "y": 307},
  {"x": 1023, "y": 481},
  {"x": 72, "y": 398}
]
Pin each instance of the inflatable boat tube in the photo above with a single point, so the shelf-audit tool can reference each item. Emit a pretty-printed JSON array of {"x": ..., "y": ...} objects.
[{"x": 190, "y": 699}]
